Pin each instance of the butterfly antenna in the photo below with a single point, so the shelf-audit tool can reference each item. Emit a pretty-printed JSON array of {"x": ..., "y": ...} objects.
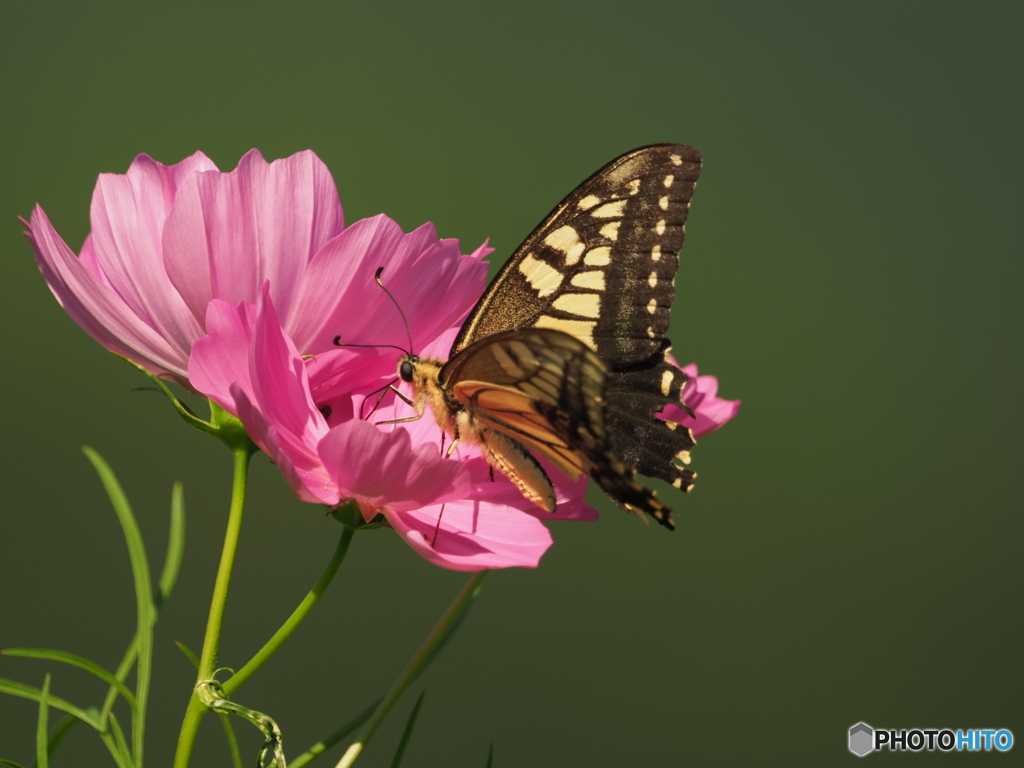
[
  {"x": 339, "y": 343},
  {"x": 405, "y": 322}
]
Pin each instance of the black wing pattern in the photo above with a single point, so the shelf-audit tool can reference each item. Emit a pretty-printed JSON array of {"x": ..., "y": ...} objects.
[
  {"x": 543, "y": 391},
  {"x": 602, "y": 267}
]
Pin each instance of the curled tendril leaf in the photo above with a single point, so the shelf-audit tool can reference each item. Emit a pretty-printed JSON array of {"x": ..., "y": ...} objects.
[{"x": 212, "y": 695}]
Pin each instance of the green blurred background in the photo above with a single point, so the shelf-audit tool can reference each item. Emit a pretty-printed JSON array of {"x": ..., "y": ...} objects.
[{"x": 851, "y": 551}]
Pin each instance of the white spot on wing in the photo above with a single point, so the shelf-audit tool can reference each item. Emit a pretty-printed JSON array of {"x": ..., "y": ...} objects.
[
  {"x": 565, "y": 240},
  {"x": 669, "y": 179},
  {"x": 652, "y": 280},
  {"x": 656, "y": 253},
  {"x": 666, "y": 382},
  {"x": 660, "y": 228},
  {"x": 544, "y": 279},
  {"x": 611, "y": 230},
  {"x": 581, "y": 329},
  {"x": 652, "y": 305},
  {"x": 611, "y": 210},
  {"x": 583, "y": 304},
  {"x": 676, "y": 159},
  {"x": 589, "y": 202},
  {"x": 633, "y": 186},
  {"x": 598, "y": 257},
  {"x": 663, "y": 203},
  {"x": 593, "y": 279}
]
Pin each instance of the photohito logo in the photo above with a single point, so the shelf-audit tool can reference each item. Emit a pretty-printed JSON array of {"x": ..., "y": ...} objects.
[{"x": 864, "y": 739}]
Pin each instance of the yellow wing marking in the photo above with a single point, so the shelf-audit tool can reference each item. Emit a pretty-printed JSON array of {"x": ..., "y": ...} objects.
[{"x": 512, "y": 412}]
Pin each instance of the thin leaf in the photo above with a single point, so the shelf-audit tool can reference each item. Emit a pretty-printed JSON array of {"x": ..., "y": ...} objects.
[
  {"x": 172, "y": 563},
  {"x": 229, "y": 732},
  {"x": 119, "y": 741},
  {"x": 35, "y": 694},
  {"x": 43, "y": 726},
  {"x": 10, "y": 764},
  {"x": 448, "y": 635},
  {"x": 407, "y": 733},
  {"x": 175, "y": 546},
  {"x": 188, "y": 653},
  {"x": 490, "y": 755},
  {"x": 75, "y": 661},
  {"x": 326, "y": 743},
  {"x": 146, "y": 613},
  {"x": 58, "y": 733}
]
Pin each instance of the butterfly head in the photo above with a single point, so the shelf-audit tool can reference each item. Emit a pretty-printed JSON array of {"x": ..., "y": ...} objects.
[
  {"x": 406, "y": 368},
  {"x": 421, "y": 372}
]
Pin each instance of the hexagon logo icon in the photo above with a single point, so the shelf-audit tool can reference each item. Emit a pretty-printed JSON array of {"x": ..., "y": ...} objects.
[{"x": 862, "y": 737}]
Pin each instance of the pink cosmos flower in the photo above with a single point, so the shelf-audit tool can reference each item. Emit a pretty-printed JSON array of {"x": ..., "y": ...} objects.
[
  {"x": 700, "y": 395},
  {"x": 250, "y": 366},
  {"x": 237, "y": 283},
  {"x": 166, "y": 240}
]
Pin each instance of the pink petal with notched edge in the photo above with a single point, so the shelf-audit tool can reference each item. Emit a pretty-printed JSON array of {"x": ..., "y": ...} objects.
[
  {"x": 700, "y": 394},
  {"x": 473, "y": 535},
  {"x": 95, "y": 306},
  {"x": 230, "y": 232},
  {"x": 431, "y": 280},
  {"x": 127, "y": 216},
  {"x": 220, "y": 360},
  {"x": 380, "y": 469}
]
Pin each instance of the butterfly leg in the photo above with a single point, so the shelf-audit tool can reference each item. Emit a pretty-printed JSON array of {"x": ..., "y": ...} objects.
[{"x": 418, "y": 406}]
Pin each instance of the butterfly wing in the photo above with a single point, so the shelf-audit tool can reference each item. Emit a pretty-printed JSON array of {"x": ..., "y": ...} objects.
[
  {"x": 541, "y": 391},
  {"x": 601, "y": 267}
]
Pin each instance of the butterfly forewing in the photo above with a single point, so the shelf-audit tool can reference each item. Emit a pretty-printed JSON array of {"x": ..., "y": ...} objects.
[
  {"x": 602, "y": 265},
  {"x": 602, "y": 268}
]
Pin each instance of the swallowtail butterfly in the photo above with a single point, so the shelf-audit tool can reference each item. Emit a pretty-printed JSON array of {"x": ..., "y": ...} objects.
[{"x": 564, "y": 356}]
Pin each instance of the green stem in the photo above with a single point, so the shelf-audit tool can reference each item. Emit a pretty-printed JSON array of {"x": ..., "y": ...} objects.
[
  {"x": 211, "y": 642},
  {"x": 415, "y": 666},
  {"x": 274, "y": 644}
]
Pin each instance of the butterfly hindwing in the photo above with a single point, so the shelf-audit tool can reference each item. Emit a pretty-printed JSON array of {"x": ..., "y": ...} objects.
[
  {"x": 542, "y": 391},
  {"x": 539, "y": 387},
  {"x": 602, "y": 268}
]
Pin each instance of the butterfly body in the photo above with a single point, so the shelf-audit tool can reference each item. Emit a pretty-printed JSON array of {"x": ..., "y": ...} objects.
[{"x": 564, "y": 356}]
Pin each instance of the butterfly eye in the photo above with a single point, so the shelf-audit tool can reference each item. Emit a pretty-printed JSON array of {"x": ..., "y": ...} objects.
[{"x": 405, "y": 371}]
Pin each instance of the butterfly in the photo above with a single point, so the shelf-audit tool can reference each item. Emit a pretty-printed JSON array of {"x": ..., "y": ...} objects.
[{"x": 565, "y": 356}]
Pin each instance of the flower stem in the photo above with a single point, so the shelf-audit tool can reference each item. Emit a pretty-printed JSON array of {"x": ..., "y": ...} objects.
[
  {"x": 298, "y": 615},
  {"x": 211, "y": 642},
  {"x": 419, "y": 661}
]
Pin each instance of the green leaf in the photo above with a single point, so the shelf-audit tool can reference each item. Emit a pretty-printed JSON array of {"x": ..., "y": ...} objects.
[
  {"x": 43, "y": 726},
  {"x": 172, "y": 563},
  {"x": 490, "y": 755},
  {"x": 146, "y": 612},
  {"x": 35, "y": 694},
  {"x": 10, "y": 764},
  {"x": 175, "y": 546},
  {"x": 58, "y": 733},
  {"x": 75, "y": 661},
  {"x": 188, "y": 653},
  {"x": 407, "y": 733},
  {"x": 326, "y": 743},
  {"x": 448, "y": 635},
  {"x": 229, "y": 733},
  {"x": 120, "y": 743}
]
